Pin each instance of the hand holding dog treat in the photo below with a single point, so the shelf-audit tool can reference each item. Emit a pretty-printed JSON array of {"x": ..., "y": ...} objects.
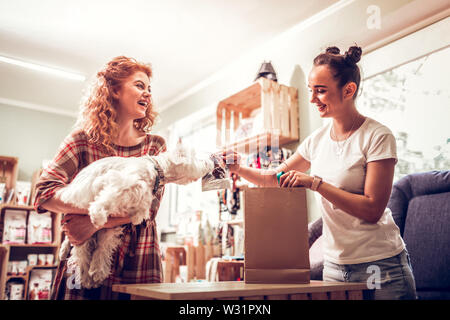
[{"x": 232, "y": 160}]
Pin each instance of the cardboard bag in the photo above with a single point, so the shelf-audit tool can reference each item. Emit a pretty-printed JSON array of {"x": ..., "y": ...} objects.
[{"x": 276, "y": 235}]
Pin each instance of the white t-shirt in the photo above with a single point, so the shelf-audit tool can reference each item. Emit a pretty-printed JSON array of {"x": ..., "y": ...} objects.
[{"x": 347, "y": 239}]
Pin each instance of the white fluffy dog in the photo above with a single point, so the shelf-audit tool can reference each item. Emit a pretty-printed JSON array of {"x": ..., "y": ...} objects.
[{"x": 117, "y": 186}]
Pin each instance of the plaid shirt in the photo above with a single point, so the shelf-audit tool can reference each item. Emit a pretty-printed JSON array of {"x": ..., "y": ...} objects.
[{"x": 138, "y": 258}]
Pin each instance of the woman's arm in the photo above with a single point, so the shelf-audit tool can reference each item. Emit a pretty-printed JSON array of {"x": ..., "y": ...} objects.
[
  {"x": 377, "y": 189},
  {"x": 55, "y": 205},
  {"x": 78, "y": 228},
  {"x": 368, "y": 206},
  {"x": 265, "y": 178}
]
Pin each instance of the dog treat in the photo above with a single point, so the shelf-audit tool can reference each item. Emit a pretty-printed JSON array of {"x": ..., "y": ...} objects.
[
  {"x": 217, "y": 179},
  {"x": 279, "y": 176}
]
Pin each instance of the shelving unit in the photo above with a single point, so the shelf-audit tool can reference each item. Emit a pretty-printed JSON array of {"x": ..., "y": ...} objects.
[
  {"x": 276, "y": 125},
  {"x": 20, "y": 251},
  {"x": 9, "y": 170}
]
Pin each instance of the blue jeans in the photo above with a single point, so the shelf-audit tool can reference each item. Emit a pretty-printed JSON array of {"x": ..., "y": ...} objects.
[{"x": 392, "y": 278}]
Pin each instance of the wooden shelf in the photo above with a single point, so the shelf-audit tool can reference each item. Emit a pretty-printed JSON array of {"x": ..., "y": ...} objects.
[
  {"x": 277, "y": 124},
  {"x": 45, "y": 266},
  {"x": 9, "y": 170},
  {"x": 258, "y": 142},
  {"x": 16, "y": 207},
  {"x": 14, "y": 251},
  {"x": 9, "y": 277},
  {"x": 26, "y": 277},
  {"x": 237, "y": 222}
]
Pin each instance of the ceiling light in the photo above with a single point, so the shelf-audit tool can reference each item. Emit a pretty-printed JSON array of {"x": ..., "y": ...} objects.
[{"x": 37, "y": 67}]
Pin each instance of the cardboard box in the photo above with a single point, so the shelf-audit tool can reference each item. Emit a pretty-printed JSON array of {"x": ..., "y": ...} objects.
[{"x": 276, "y": 235}]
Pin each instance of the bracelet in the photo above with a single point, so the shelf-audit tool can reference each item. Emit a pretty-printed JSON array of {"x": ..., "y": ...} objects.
[{"x": 316, "y": 183}]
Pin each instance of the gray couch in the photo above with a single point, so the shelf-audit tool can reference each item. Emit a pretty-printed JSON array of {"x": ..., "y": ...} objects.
[{"x": 420, "y": 205}]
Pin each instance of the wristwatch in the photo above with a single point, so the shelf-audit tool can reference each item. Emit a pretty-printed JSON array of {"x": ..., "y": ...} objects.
[{"x": 316, "y": 182}]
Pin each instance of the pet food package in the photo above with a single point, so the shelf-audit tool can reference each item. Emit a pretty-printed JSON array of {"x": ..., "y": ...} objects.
[
  {"x": 276, "y": 246},
  {"x": 22, "y": 267},
  {"x": 42, "y": 258},
  {"x": 50, "y": 259},
  {"x": 14, "y": 227},
  {"x": 32, "y": 259},
  {"x": 23, "y": 190},
  {"x": 14, "y": 290},
  {"x": 39, "y": 227},
  {"x": 218, "y": 178},
  {"x": 40, "y": 283}
]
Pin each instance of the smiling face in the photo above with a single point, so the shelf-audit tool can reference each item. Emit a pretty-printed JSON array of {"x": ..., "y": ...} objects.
[
  {"x": 325, "y": 93},
  {"x": 133, "y": 96}
]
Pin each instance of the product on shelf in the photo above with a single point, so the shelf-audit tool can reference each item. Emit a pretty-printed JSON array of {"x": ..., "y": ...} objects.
[
  {"x": 14, "y": 290},
  {"x": 42, "y": 258},
  {"x": 14, "y": 229},
  {"x": 39, "y": 284},
  {"x": 12, "y": 268},
  {"x": 2, "y": 192},
  {"x": 39, "y": 228},
  {"x": 23, "y": 190},
  {"x": 22, "y": 267},
  {"x": 50, "y": 258},
  {"x": 17, "y": 268},
  {"x": 32, "y": 259}
]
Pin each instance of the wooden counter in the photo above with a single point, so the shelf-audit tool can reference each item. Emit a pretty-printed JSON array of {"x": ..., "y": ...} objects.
[{"x": 236, "y": 290}]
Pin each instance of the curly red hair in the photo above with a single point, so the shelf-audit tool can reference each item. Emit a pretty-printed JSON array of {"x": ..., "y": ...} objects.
[{"x": 98, "y": 114}]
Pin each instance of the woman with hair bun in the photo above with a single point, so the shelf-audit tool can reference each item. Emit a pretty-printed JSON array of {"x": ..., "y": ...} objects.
[
  {"x": 115, "y": 120},
  {"x": 351, "y": 161}
]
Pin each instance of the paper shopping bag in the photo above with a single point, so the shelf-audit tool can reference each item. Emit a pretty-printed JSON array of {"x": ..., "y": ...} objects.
[{"x": 276, "y": 235}]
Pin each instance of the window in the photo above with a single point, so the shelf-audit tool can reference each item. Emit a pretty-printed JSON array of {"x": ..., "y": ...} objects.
[
  {"x": 413, "y": 100},
  {"x": 197, "y": 131}
]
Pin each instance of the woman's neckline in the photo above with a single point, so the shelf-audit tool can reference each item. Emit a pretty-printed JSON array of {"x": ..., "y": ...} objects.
[
  {"x": 133, "y": 145},
  {"x": 351, "y": 135}
]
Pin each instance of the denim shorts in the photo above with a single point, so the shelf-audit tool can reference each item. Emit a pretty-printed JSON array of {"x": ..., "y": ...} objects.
[{"x": 391, "y": 278}]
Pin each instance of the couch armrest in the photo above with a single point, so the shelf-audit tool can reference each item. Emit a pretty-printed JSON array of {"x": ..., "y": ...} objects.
[{"x": 314, "y": 231}]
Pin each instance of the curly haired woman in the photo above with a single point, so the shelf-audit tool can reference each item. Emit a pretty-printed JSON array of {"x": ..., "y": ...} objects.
[{"x": 115, "y": 120}]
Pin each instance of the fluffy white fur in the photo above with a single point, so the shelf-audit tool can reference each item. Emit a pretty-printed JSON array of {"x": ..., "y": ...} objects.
[{"x": 117, "y": 186}]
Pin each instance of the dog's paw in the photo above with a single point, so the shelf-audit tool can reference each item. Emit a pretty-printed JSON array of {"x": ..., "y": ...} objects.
[{"x": 99, "y": 216}]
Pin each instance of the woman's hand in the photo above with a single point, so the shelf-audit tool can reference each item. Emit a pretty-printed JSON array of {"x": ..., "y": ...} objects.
[
  {"x": 292, "y": 179},
  {"x": 232, "y": 160},
  {"x": 78, "y": 228}
]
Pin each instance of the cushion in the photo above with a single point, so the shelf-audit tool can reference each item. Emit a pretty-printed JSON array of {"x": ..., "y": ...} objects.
[{"x": 427, "y": 237}]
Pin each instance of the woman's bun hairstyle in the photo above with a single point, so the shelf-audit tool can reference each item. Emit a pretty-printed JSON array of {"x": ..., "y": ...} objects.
[
  {"x": 344, "y": 68},
  {"x": 353, "y": 55},
  {"x": 333, "y": 50}
]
